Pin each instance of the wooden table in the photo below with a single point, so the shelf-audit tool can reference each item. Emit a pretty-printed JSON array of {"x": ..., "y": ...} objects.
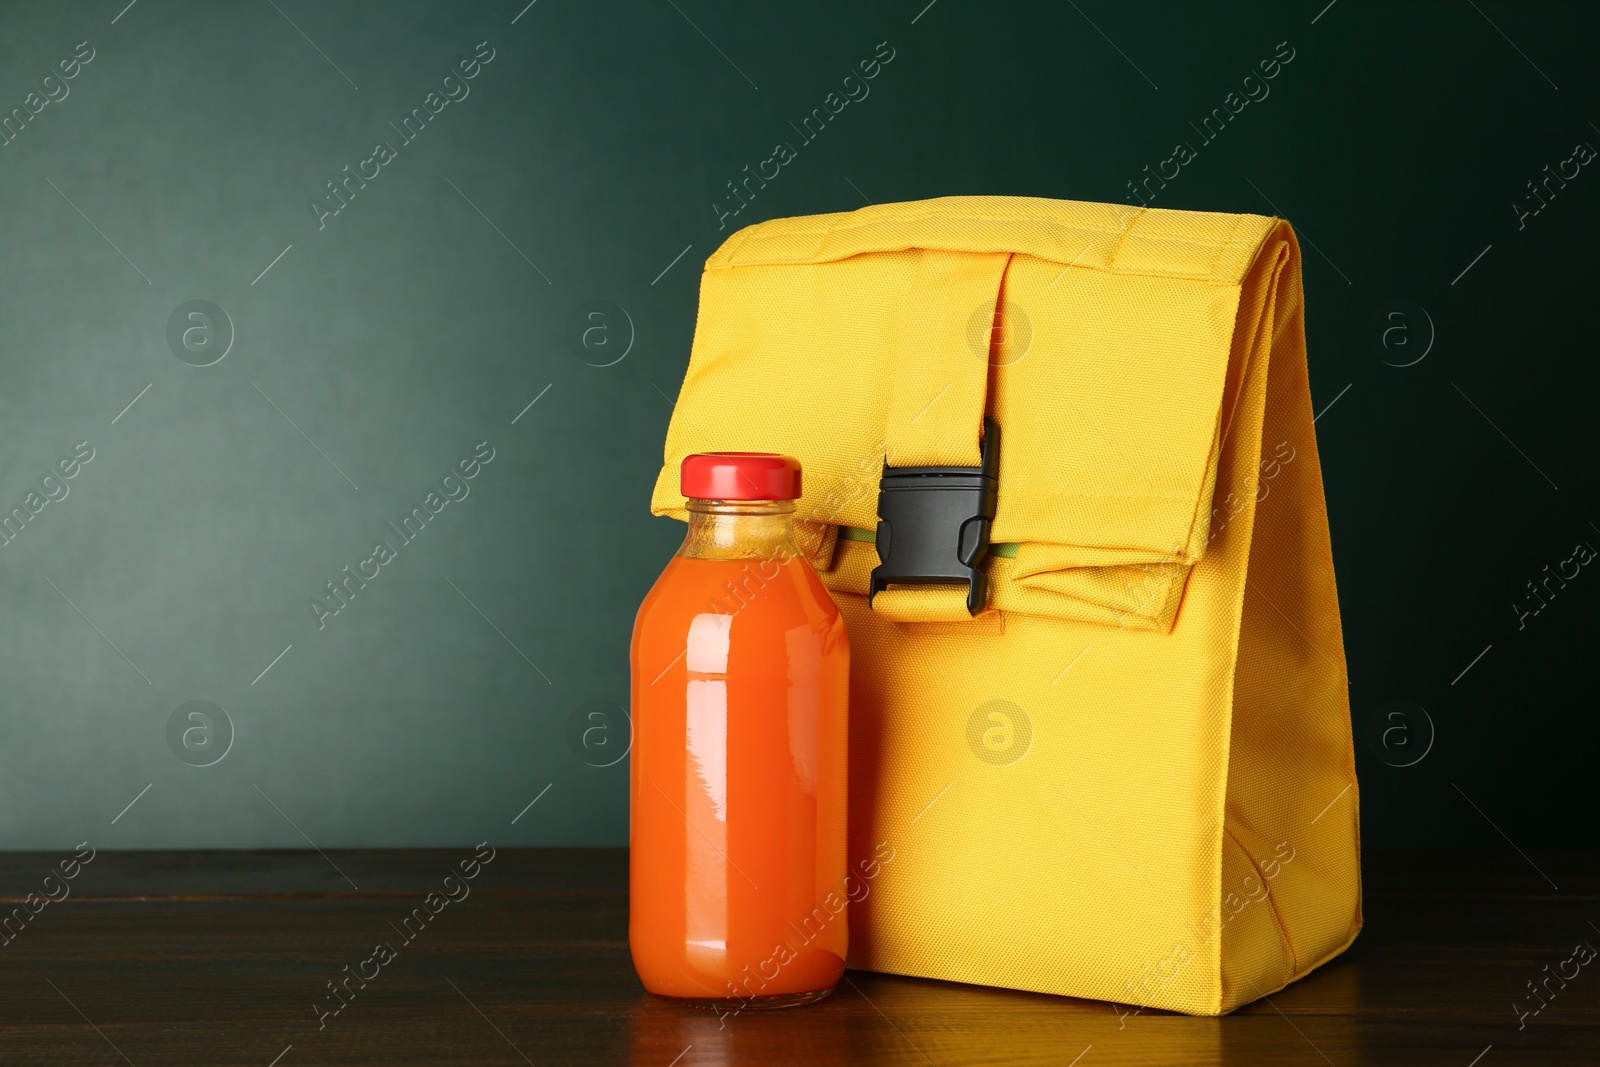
[{"x": 223, "y": 957}]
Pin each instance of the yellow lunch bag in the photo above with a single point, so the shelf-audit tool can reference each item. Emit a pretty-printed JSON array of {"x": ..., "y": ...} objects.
[{"x": 1061, "y": 477}]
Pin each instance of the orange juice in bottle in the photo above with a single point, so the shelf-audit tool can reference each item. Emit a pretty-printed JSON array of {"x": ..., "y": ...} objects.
[{"x": 740, "y": 680}]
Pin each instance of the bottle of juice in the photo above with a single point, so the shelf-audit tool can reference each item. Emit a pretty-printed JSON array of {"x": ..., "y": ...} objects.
[{"x": 740, "y": 687}]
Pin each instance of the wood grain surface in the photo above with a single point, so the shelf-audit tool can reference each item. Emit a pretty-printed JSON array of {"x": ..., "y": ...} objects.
[{"x": 225, "y": 958}]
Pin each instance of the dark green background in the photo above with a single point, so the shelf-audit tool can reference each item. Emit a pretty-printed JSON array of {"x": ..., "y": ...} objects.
[{"x": 597, "y": 140}]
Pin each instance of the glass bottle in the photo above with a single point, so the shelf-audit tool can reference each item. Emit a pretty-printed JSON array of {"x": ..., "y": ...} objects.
[{"x": 740, "y": 682}]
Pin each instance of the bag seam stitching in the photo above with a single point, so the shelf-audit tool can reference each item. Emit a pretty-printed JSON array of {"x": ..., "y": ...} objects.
[
  {"x": 728, "y": 259},
  {"x": 773, "y": 227}
]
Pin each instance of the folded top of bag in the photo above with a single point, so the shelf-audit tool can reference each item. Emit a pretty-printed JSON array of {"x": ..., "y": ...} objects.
[
  {"x": 1107, "y": 342},
  {"x": 1203, "y": 245}
]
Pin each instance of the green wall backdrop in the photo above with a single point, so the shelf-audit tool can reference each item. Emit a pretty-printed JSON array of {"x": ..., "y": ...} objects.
[{"x": 247, "y": 385}]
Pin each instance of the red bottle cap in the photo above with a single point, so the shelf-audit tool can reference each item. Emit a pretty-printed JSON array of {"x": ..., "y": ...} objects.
[{"x": 740, "y": 476}]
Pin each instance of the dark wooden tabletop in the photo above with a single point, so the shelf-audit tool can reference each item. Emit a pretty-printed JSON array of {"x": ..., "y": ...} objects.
[{"x": 226, "y": 958}]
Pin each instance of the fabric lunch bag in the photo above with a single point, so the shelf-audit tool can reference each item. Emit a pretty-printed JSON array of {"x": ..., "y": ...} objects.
[{"x": 1061, "y": 477}]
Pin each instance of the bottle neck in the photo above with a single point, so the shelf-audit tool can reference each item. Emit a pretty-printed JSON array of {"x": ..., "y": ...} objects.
[{"x": 739, "y": 529}]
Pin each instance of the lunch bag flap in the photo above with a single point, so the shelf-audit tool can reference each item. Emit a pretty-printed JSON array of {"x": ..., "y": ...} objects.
[{"x": 1097, "y": 338}]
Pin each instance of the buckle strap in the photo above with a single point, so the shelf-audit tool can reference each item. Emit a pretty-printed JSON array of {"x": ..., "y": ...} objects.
[
  {"x": 936, "y": 500},
  {"x": 934, "y": 524},
  {"x": 942, "y": 373}
]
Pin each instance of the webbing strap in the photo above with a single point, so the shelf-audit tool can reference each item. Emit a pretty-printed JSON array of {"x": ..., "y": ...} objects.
[
  {"x": 923, "y": 603},
  {"x": 941, "y": 385},
  {"x": 941, "y": 380}
]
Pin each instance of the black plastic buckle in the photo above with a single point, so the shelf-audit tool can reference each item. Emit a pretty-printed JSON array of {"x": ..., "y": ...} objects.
[{"x": 934, "y": 523}]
